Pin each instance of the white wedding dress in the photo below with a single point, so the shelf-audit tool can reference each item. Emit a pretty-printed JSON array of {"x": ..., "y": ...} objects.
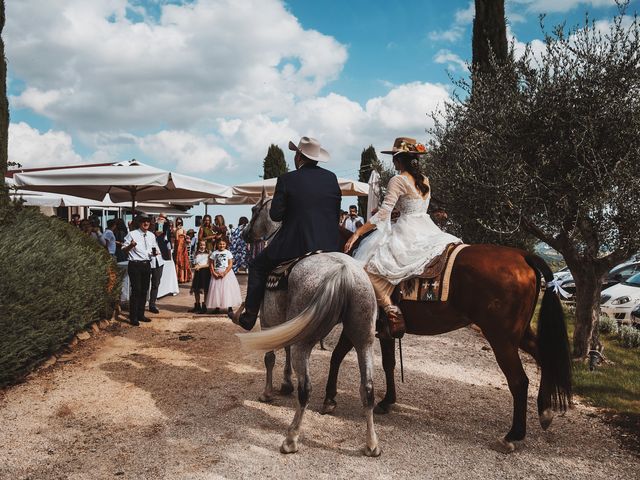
[{"x": 401, "y": 250}]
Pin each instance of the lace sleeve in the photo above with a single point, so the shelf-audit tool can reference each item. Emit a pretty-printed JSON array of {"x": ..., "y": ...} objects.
[{"x": 396, "y": 188}]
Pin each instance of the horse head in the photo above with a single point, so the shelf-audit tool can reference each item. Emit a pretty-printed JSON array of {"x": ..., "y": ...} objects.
[{"x": 260, "y": 226}]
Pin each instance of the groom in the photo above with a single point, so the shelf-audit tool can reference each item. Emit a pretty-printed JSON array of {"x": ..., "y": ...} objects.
[{"x": 307, "y": 202}]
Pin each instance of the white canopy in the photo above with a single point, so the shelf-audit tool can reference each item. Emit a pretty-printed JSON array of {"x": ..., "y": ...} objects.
[
  {"x": 126, "y": 181},
  {"x": 249, "y": 193}
]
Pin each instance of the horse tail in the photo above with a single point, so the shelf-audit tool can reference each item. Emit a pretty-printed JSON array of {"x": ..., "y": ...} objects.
[
  {"x": 326, "y": 308},
  {"x": 554, "y": 355}
]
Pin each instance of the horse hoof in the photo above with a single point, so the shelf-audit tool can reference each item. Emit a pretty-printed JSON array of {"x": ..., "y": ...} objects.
[
  {"x": 286, "y": 389},
  {"x": 289, "y": 447},
  {"x": 546, "y": 418},
  {"x": 328, "y": 406},
  {"x": 382, "y": 408},
  {"x": 503, "y": 446},
  {"x": 265, "y": 398},
  {"x": 375, "y": 452}
]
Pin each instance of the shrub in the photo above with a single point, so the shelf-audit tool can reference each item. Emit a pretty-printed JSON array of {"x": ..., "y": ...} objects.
[
  {"x": 629, "y": 337},
  {"x": 608, "y": 325},
  {"x": 54, "y": 281}
]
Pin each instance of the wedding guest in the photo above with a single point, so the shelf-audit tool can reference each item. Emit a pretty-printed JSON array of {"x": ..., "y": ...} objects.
[
  {"x": 120, "y": 232},
  {"x": 206, "y": 232},
  {"x": 140, "y": 246},
  {"x": 353, "y": 221},
  {"x": 239, "y": 247},
  {"x": 182, "y": 253},
  {"x": 75, "y": 220},
  {"x": 110, "y": 238},
  {"x": 201, "y": 277},
  {"x": 220, "y": 229},
  {"x": 224, "y": 290}
]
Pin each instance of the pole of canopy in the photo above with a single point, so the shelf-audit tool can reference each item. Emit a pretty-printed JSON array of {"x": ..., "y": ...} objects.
[
  {"x": 205, "y": 208},
  {"x": 133, "y": 203}
]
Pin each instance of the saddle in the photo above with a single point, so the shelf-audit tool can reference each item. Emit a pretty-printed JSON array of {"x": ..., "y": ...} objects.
[
  {"x": 432, "y": 285},
  {"x": 278, "y": 278}
]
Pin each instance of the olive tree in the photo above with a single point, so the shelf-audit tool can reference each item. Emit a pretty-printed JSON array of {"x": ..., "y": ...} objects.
[{"x": 549, "y": 145}]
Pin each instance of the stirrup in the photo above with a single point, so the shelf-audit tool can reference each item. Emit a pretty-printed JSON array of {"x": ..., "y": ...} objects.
[{"x": 396, "y": 321}]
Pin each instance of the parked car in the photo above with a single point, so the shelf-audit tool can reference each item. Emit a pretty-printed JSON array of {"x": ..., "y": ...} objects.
[
  {"x": 617, "y": 274},
  {"x": 617, "y": 302}
]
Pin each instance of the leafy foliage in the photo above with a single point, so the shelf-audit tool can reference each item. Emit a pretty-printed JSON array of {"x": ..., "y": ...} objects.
[
  {"x": 54, "y": 281},
  {"x": 274, "y": 163},
  {"x": 549, "y": 147}
]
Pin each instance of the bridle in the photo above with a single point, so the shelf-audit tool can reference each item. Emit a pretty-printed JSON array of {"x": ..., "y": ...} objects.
[{"x": 257, "y": 215}]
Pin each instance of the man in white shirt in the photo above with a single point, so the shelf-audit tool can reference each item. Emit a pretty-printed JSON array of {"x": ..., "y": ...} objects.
[
  {"x": 353, "y": 220},
  {"x": 140, "y": 246}
]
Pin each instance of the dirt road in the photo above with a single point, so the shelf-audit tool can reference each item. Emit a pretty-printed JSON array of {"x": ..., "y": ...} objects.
[{"x": 177, "y": 399}]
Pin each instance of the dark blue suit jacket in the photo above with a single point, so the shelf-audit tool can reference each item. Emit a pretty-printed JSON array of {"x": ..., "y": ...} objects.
[{"x": 307, "y": 202}]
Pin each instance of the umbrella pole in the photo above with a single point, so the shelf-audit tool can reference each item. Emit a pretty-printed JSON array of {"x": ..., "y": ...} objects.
[{"x": 133, "y": 204}]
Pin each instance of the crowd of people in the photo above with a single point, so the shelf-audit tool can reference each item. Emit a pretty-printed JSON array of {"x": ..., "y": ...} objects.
[{"x": 208, "y": 258}]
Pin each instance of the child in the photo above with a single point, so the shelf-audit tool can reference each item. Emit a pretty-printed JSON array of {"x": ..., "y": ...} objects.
[
  {"x": 201, "y": 277},
  {"x": 224, "y": 291}
]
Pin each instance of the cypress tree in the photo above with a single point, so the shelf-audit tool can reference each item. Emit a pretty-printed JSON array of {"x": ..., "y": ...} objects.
[
  {"x": 368, "y": 162},
  {"x": 274, "y": 163},
  {"x": 489, "y": 35},
  {"x": 4, "y": 110}
]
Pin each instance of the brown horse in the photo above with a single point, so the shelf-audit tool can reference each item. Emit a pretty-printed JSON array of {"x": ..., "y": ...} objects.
[{"x": 496, "y": 288}]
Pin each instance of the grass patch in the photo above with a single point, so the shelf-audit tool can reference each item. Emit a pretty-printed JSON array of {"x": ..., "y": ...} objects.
[{"x": 614, "y": 384}]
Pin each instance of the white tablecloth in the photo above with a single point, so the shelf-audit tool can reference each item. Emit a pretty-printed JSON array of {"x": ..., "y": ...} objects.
[{"x": 168, "y": 281}]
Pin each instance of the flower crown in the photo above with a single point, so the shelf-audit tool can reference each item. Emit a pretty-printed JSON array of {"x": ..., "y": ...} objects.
[{"x": 411, "y": 148}]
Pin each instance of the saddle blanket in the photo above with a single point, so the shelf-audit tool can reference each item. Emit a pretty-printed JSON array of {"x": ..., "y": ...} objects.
[
  {"x": 433, "y": 284},
  {"x": 278, "y": 279}
]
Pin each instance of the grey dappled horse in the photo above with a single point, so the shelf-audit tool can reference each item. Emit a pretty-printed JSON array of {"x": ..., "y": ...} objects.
[{"x": 324, "y": 289}]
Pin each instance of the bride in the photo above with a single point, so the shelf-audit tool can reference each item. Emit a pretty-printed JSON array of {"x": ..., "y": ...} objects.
[{"x": 395, "y": 252}]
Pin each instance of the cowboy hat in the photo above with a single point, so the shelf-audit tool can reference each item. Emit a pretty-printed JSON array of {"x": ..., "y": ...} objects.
[
  {"x": 406, "y": 144},
  {"x": 310, "y": 148}
]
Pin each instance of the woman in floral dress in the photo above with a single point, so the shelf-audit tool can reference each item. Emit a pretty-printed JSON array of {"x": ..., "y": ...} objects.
[{"x": 239, "y": 247}]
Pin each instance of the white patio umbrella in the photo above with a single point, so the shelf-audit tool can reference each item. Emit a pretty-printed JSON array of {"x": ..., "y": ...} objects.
[
  {"x": 249, "y": 193},
  {"x": 373, "y": 200},
  {"x": 126, "y": 181}
]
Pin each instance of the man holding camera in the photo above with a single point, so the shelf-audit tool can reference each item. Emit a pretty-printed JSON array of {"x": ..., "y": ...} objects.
[
  {"x": 353, "y": 221},
  {"x": 141, "y": 248}
]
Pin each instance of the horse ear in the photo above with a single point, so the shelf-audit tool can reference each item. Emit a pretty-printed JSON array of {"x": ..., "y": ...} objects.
[{"x": 264, "y": 194}]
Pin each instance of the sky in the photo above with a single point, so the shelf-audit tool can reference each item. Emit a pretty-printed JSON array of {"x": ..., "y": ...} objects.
[{"x": 203, "y": 87}]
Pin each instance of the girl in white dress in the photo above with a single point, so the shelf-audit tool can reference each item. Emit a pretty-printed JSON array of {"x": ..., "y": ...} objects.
[
  {"x": 224, "y": 290},
  {"x": 397, "y": 251}
]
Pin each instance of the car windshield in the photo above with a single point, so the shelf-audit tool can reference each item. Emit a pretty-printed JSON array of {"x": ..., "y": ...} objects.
[{"x": 633, "y": 281}]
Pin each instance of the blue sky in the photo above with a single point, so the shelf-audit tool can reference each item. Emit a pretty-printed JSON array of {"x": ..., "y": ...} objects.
[{"x": 203, "y": 86}]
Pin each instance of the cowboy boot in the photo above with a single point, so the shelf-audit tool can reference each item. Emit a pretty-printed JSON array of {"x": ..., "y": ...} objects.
[{"x": 396, "y": 321}]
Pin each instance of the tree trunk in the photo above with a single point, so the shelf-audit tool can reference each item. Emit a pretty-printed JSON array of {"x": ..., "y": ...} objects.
[
  {"x": 4, "y": 111},
  {"x": 588, "y": 287}
]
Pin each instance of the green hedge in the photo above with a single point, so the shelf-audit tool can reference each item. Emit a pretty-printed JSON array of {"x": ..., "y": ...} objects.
[{"x": 54, "y": 281}]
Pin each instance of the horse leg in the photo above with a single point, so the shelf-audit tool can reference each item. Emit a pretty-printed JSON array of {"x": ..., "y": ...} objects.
[
  {"x": 343, "y": 347},
  {"x": 545, "y": 411},
  {"x": 269, "y": 362},
  {"x": 388, "y": 347},
  {"x": 365, "y": 362},
  {"x": 506, "y": 354},
  {"x": 300, "y": 357},
  {"x": 287, "y": 385}
]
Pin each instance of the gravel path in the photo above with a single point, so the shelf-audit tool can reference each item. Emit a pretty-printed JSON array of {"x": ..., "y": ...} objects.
[{"x": 177, "y": 399}]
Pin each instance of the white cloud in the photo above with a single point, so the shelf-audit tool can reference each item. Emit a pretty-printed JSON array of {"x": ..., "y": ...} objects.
[
  {"x": 462, "y": 18},
  {"x": 188, "y": 152},
  {"x": 343, "y": 126},
  {"x": 453, "y": 61},
  {"x": 30, "y": 148},
  {"x": 551, "y": 6},
  {"x": 89, "y": 67}
]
